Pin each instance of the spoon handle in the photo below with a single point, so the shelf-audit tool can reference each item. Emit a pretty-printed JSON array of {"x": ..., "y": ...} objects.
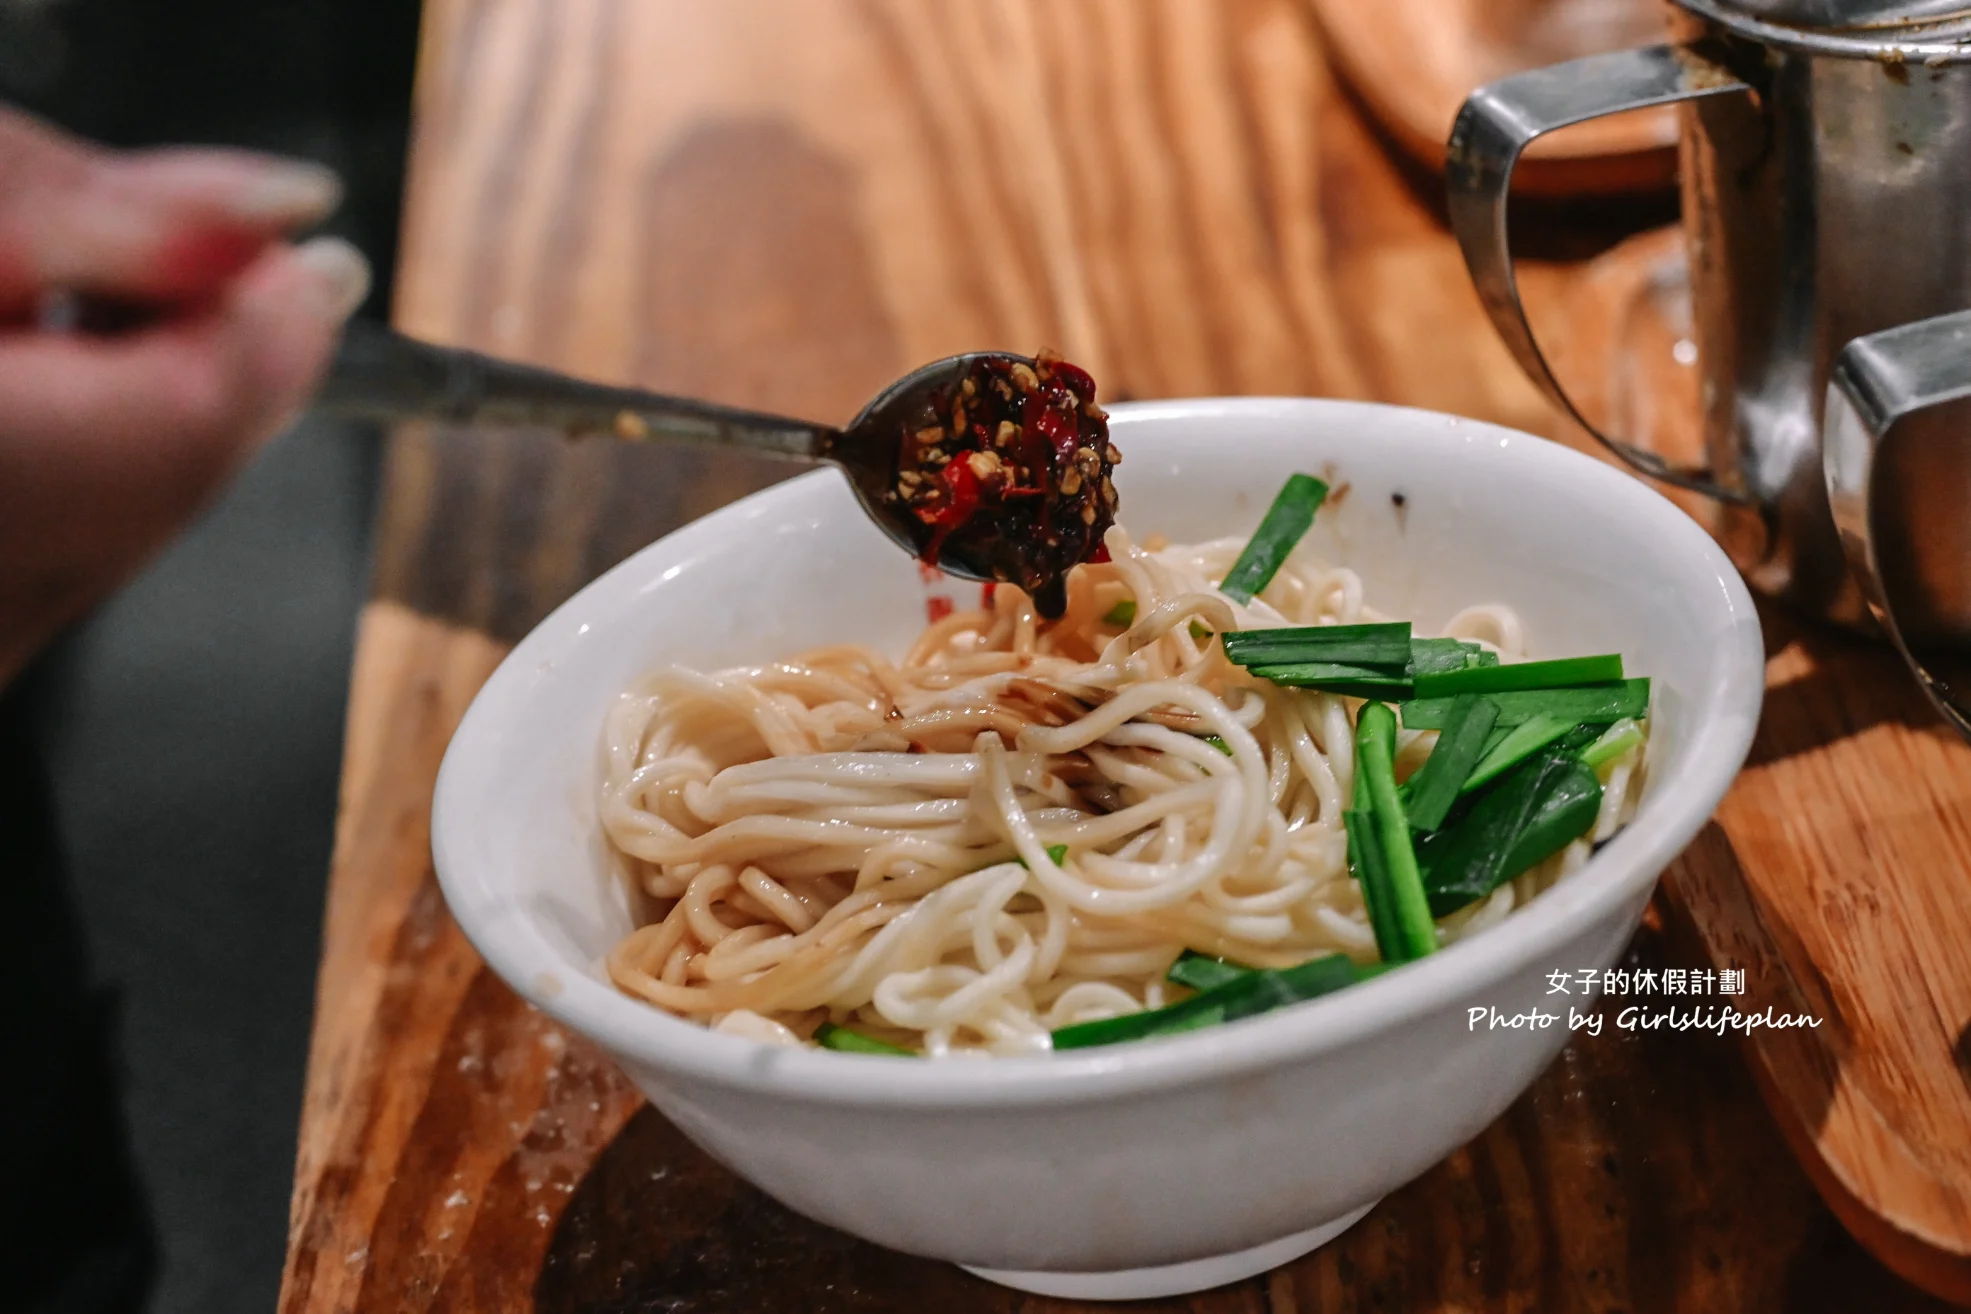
[{"x": 379, "y": 374}]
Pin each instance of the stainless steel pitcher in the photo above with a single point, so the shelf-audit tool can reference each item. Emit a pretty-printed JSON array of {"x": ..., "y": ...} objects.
[{"x": 1826, "y": 165}]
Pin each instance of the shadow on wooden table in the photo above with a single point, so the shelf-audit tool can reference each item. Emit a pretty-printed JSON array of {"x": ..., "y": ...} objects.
[
  {"x": 1565, "y": 227},
  {"x": 1825, "y": 684},
  {"x": 1588, "y": 1194}
]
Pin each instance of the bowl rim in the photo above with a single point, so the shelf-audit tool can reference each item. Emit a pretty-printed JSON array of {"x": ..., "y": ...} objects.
[{"x": 1725, "y": 715}]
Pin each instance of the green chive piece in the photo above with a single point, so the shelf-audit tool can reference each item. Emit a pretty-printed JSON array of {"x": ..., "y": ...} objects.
[
  {"x": 1123, "y": 614},
  {"x": 1595, "y": 704},
  {"x": 1286, "y": 521},
  {"x": 1337, "y": 677},
  {"x": 1578, "y": 739},
  {"x": 1246, "y": 995},
  {"x": 1437, "y": 784},
  {"x": 1573, "y": 741},
  {"x": 1058, "y": 852},
  {"x": 1375, "y": 746},
  {"x": 1533, "y": 814},
  {"x": 1202, "y": 971},
  {"x": 1566, "y": 672},
  {"x": 830, "y": 1036},
  {"x": 1219, "y": 744},
  {"x": 1355, "y": 645},
  {"x": 1205, "y": 1009},
  {"x": 1618, "y": 739},
  {"x": 1520, "y": 743},
  {"x": 1365, "y": 863},
  {"x": 1199, "y": 633},
  {"x": 1429, "y": 656},
  {"x": 1290, "y": 672}
]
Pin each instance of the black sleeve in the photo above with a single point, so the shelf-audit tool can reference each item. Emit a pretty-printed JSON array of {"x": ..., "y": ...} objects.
[{"x": 76, "y": 1240}]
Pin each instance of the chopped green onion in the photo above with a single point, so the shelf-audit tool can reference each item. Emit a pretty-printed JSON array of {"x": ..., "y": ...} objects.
[
  {"x": 1428, "y": 656},
  {"x": 1565, "y": 672},
  {"x": 1366, "y": 864},
  {"x": 1375, "y": 743},
  {"x": 830, "y": 1036},
  {"x": 1286, "y": 521},
  {"x": 1356, "y": 645},
  {"x": 1363, "y": 661},
  {"x": 1243, "y": 996},
  {"x": 1619, "y": 738},
  {"x": 1532, "y": 815},
  {"x": 1573, "y": 741},
  {"x": 1203, "y": 972},
  {"x": 1437, "y": 784},
  {"x": 1519, "y": 743},
  {"x": 1578, "y": 739},
  {"x": 1123, "y": 615},
  {"x": 1337, "y": 677},
  {"x": 1058, "y": 852},
  {"x": 1588, "y": 703},
  {"x": 1219, "y": 744}
]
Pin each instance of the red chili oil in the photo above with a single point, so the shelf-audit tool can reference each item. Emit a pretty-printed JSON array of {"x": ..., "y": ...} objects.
[{"x": 1008, "y": 471}]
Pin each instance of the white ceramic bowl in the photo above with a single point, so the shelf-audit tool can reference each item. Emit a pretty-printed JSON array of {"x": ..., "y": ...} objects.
[{"x": 1153, "y": 1167}]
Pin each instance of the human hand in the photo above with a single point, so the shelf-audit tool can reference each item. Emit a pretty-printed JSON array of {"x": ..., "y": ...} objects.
[{"x": 111, "y": 442}]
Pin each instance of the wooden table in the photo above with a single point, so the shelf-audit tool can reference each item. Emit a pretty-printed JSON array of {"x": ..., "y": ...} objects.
[{"x": 784, "y": 203}]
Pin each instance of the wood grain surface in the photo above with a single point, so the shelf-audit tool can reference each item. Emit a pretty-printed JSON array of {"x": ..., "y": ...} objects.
[
  {"x": 785, "y": 203},
  {"x": 1413, "y": 62}
]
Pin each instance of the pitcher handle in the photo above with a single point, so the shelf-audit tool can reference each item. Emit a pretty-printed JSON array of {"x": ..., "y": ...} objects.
[
  {"x": 1498, "y": 121},
  {"x": 1878, "y": 381}
]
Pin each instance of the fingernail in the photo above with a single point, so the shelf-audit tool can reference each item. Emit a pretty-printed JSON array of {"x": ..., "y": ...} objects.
[
  {"x": 289, "y": 193},
  {"x": 343, "y": 274}
]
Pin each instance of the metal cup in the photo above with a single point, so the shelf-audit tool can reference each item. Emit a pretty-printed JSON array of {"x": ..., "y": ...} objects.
[{"x": 1826, "y": 180}]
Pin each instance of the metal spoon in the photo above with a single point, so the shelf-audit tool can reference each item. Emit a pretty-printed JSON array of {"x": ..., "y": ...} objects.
[{"x": 380, "y": 374}]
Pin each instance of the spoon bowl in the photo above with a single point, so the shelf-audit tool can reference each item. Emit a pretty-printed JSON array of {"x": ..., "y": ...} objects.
[{"x": 866, "y": 451}]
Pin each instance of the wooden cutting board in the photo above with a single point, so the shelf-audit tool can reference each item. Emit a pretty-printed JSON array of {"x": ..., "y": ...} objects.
[
  {"x": 1837, "y": 873},
  {"x": 1413, "y": 62}
]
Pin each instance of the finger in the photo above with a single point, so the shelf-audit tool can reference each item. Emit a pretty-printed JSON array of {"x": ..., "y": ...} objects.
[
  {"x": 284, "y": 320},
  {"x": 162, "y": 225},
  {"x": 107, "y": 446},
  {"x": 194, "y": 388}
]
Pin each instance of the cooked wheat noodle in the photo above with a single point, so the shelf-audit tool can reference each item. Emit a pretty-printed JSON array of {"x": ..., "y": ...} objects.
[{"x": 839, "y": 837}]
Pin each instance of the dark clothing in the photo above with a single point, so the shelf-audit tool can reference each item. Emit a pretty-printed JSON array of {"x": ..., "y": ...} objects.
[
  {"x": 73, "y": 1235},
  {"x": 167, "y": 789}
]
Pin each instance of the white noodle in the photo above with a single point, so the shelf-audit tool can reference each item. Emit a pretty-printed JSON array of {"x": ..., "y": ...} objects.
[{"x": 841, "y": 838}]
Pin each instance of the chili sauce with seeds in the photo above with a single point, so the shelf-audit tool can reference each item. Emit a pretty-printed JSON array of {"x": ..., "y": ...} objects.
[{"x": 1008, "y": 471}]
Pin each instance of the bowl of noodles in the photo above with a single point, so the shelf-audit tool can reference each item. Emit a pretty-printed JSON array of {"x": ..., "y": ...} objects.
[{"x": 870, "y": 879}]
